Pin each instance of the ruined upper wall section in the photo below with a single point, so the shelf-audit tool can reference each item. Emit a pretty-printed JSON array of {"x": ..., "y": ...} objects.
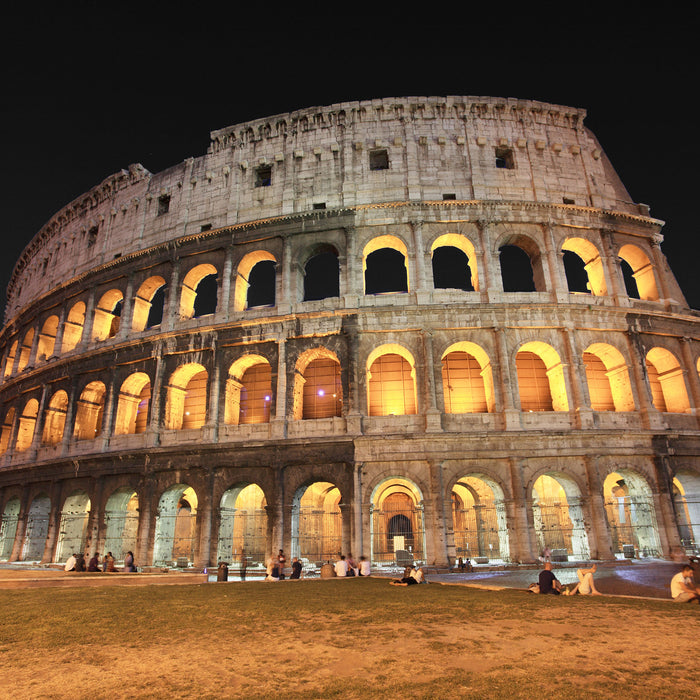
[{"x": 345, "y": 155}]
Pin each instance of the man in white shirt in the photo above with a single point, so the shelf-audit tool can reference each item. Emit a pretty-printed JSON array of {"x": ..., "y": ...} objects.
[
  {"x": 341, "y": 566},
  {"x": 683, "y": 589}
]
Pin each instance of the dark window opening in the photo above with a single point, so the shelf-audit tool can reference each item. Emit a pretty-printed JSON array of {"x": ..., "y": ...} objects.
[
  {"x": 205, "y": 227},
  {"x": 92, "y": 236},
  {"x": 263, "y": 176},
  {"x": 319, "y": 205},
  {"x": 451, "y": 269},
  {"x": 163, "y": 204},
  {"x": 447, "y": 197},
  {"x": 576, "y": 275},
  {"x": 155, "y": 314},
  {"x": 321, "y": 276},
  {"x": 568, "y": 200},
  {"x": 385, "y": 272},
  {"x": 504, "y": 158},
  {"x": 379, "y": 160},
  {"x": 630, "y": 282},
  {"x": 261, "y": 284},
  {"x": 516, "y": 270},
  {"x": 205, "y": 301}
]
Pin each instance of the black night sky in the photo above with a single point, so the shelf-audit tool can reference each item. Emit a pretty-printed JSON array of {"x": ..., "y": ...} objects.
[{"x": 85, "y": 94}]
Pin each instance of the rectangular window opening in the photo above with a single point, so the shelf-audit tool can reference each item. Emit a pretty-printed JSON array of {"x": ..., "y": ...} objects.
[
  {"x": 263, "y": 176},
  {"x": 504, "y": 158},
  {"x": 163, "y": 204},
  {"x": 379, "y": 160}
]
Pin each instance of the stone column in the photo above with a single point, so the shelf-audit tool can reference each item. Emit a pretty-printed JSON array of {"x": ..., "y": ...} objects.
[
  {"x": 279, "y": 422},
  {"x": 691, "y": 374},
  {"x": 127, "y": 316},
  {"x": 156, "y": 419},
  {"x": 354, "y": 282},
  {"x": 613, "y": 273},
  {"x": 439, "y": 520},
  {"x": 146, "y": 527},
  {"x": 223, "y": 304},
  {"x": 202, "y": 555},
  {"x": 21, "y": 525},
  {"x": 39, "y": 425},
  {"x": 639, "y": 385},
  {"x": 420, "y": 284},
  {"x": 86, "y": 337},
  {"x": 508, "y": 385},
  {"x": 523, "y": 548},
  {"x": 659, "y": 267},
  {"x": 583, "y": 414},
  {"x": 433, "y": 421},
  {"x": 111, "y": 397},
  {"x": 54, "y": 524},
  {"x": 555, "y": 258},
  {"x": 346, "y": 527},
  {"x": 59, "y": 333},
  {"x": 284, "y": 303},
  {"x": 214, "y": 396},
  {"x": 489, "y": 276},
  {"x": 600, "y": 542},
  {"x": 96, "y": 518},
  {"x": 667, "y": 524},
  {"x": 358, "y": 545},
  {"x": 275, "y": 533},
  {"x": 171, "y": 312}
]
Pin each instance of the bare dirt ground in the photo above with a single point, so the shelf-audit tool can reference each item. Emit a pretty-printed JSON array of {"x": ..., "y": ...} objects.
[{"x": 341, "y": 638}]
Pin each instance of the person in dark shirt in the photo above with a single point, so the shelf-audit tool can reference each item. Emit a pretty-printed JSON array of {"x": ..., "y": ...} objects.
[
  {"x": 296, "y": 568},
  {"x": 548, "y": 581}
]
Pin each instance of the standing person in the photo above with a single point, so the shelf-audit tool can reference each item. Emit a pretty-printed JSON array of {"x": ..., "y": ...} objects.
[
  {"x": 365, "y": 569},
  {"x": 683, "y": 588},
  {"x": 341, "y": 567},
  {"x": 129, "y": 562},
  {"x": 281, "y": 561},
  {"x": 296, "y": 568},
  {"x": 548, "y": 581},
  {"x": 585, "y": 585}
]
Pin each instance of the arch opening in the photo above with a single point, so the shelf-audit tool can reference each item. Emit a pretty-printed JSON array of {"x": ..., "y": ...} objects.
[
  {"x": 666, "y": 382},
  {"x": 107, "y": 315},
  {"x": 73, "y": 327},
  {"x": 318, "y": 391},
  {"x": 686, "y": 502},
  {"x": 132, "y": 405},
  {"x": 248, "y": 391},
  {"x": 55, "y": 418},
  {"x": 541, "y": 382},
  {"x": 317, "y": 523},
  {"x": 467, "y": 379},
  {"x": 73, "y": 530},
  {"x": 37, "y": 529},
  {"x": 175, "y": 531},
  {"x": 89, "y": 412},
  {"x": 391, "y": 382},
  {"x": 121, "y": 523},
  {"x": 148, "y": 304},
  {"x": 558, "y": 517},
  {"x": 479, "y": 519},
  {"x": 186, "y": 404},
  {"x": 629, "y": 508},
  {"x": 608, "y": 378},
  {"x": 243, "y": 526},
  {"x": 322, "y": 276},
  {"x": 8, "y": 528},
  {"x": 47, "y": 339},
  {"x": 517, "y": 273},
  {"x": 27, "y": 424},
  {"x": 397, "y": 522},
  {"x": 640, "y": 271}
]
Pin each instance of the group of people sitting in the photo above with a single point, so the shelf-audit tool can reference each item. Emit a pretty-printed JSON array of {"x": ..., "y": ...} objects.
[
  {"x": 347, "y": 566},
  {"x": 76, "y": 562},
  {"x": 411, "y": 576}
]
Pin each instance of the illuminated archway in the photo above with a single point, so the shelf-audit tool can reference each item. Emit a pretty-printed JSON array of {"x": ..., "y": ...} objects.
[
  {"x": 47, "y": 339},
  {"x": 132, "y": 405},
  {"x": 107, "y": 315},
  {"x": 631, "y": 516},
  {"x": 391, "y": 381},
  {"x": 25, "y": 349},
  {"x": 55, "y": 418},
  {"x": 10, "y": 359},
  {"x": 686, "y": 502},
  {"x": 479, "y": 518},
  {"x": 37, "y": 528},
  {"x": 8, "y": 528},
  {"x": 318, "y": 392},
  {"x": 398, "y": 531},
  {"x": 190, "y": 289},
  {"x": 186, "y": 403},
  {"x": 27, "y": 424},
  {"x": 642, "y": 271},
  {"x": 385, "y": 266},
  {"x": 7, "y": 426},
  {"x": 175, "y": 526},
  {"x": 248, "y": 391},
  {"x": 73, "y": 327},
  {"x": 121, "y": 523},
  {"x": 608, "y": 378},
  {"x": 243, "y": 526},
  {"x": 558, "y": 516},
  {"x": 317, "y": 523},
  {"x": 467, "y": 379},
  {"x": 148, "y": 304},
  {"x": 248, "y": 289},
  {"x": 89, "y": 412},
  {"x": 540, "y": 378},
  {"x": 72, "y": 533},
  {"x": 666, "y": 382},
  {"x": 592, "y": 264},
  {"x": 454, "y": 263}
]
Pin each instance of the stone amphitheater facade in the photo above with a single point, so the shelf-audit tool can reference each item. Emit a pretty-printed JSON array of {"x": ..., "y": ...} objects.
[{"x": 419, "y": 328}]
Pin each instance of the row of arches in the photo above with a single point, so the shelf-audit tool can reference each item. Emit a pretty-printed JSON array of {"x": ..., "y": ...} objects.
[
  {"x": 255, "y": 285},
  {"x": 395, "y": 516},
  {"x": 467, "y": 381}
]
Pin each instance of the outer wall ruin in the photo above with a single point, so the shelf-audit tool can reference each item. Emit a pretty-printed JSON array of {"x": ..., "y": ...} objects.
[{"x": 417, "y": 328}]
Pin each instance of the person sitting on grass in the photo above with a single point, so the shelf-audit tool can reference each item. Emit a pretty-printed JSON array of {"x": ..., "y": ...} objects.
[
  {"x": 585, "y": 585},
  {"x": 548, "y": 581},
  {"x": 416, "y": 576},
  {"x": 683, "y": 588}
]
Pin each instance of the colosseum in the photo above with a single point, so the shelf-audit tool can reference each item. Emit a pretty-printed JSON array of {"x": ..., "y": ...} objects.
[{"x": 418, "y": 329}]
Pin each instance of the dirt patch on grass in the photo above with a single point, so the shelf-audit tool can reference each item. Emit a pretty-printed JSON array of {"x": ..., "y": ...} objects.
[{"x": 333, "y": 639}]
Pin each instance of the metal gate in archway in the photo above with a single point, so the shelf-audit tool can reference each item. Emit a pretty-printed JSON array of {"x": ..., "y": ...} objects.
[
  {"x": 688, "y": 520},
  {"x": 396, "y": 531},
  {"x": 478, "y": 534},
  {"x": 632, "y": 521},
  {"x": 318, "y": 534}
]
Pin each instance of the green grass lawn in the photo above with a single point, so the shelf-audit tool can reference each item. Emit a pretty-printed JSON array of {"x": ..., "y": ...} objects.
[{"x": 340, "y": 638}]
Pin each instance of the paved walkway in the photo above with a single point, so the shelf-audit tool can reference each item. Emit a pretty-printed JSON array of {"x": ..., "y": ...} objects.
[{"x": 649, "y": 578}]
